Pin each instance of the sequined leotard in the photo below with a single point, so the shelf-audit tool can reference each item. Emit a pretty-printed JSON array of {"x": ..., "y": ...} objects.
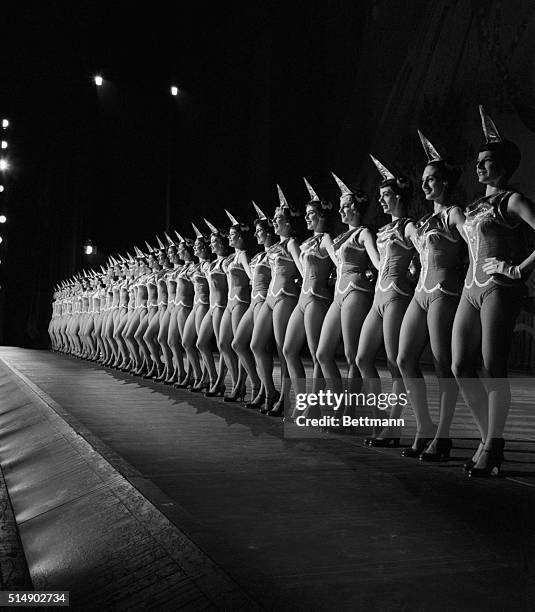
[
  {"x": 284, "y": 274},
  {"x": 353, "y": 262},
  {"x": 317, "y": 267}
]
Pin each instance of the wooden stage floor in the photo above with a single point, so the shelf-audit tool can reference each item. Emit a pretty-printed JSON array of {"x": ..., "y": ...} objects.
[{"x": 316, "y": 524}]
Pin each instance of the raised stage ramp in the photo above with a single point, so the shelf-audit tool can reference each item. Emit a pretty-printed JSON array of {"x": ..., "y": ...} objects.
[{"x": 133, "y": 495}]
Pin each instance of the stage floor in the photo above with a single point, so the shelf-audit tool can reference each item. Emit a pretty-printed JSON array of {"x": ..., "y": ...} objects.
[{"x": 317, "y": 523}]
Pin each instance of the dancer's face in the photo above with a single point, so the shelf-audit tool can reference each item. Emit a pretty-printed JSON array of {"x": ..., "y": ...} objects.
[
  {"x": 216, "y": 244},
  {"x": 489, "y": 167},
  {"x": 235, "y": 240},
  {"x": 260, "y": 234},
  {"x": 388, "y": 199},
  {"x": 313, "y": 218},
  {"x": 433, "y": 185},
  {"x": 281, "y": 225},
  {"x": 348, "y": 214}
]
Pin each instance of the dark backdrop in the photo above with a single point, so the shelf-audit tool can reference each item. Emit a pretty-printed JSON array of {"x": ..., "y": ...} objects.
[{"x": 269, "y": 92}]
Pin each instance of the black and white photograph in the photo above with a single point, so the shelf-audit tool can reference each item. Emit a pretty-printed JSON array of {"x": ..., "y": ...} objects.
[{"x": 267, "y": 305}]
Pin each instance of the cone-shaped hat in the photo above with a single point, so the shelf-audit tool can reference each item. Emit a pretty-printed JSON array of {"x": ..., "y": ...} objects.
[
  {"x": 490, "y": 131},
  {"x": 211, "y": 226},
  {"x": 314, "y": 197},
  {"x": 344, "y": 189},
  {"x": 432, "y": 154},
  {"x": 259, "y": 212},
  {"x": 383, "y": 170}
]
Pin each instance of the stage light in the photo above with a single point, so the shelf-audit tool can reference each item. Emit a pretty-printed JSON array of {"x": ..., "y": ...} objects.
[
  {"x": 5, "y": 123},
  {"x": 174, "y": 90},
  {"x": 1, "y": 188},
  {"x": 98, "y": 80},
  {"x": 3, "y": 218},
  {"x": 1, "y": 239},
  {"x": 4, "y": 164},
  {"x": 89, "y": 248},
  {"x": 4, "y": 144}
]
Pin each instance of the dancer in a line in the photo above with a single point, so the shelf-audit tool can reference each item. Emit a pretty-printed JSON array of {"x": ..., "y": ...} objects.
[
  {"x": 393, "y": 292},
  {"x": 184, "y": 298},
  {"x": 315, "y": 297},
  {"x": 239, "y": 299},
  {"x": 490, "y": 302},
  {"x": 174, "y": 308},
  {"x": 430, "y": 314},
  {"x": 280, "y": 302},
  {"x": 261, "y": 277},
  {"x": 201, "y": 306},
  {"x": 216, "y": 274},
  {"x": 122, "y": 317},
  {"x": 355, "y": 253},
  {"x": 140, "y": 353}
]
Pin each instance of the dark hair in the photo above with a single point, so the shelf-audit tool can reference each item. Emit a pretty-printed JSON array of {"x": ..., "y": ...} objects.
[
  {"x": 265, "y": 224},
  {"x": 508, "y": 154},
  {"x": 325, "y": 211},
  {"x": 448, "y": 172},
  {"x": 401, "y": 186},
  {"x": 359, "y": 199},
  {"x": 245, "y": 234}
]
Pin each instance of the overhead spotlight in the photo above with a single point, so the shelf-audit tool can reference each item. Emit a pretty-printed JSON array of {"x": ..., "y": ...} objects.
[
  {"x": 98, "y": 80},
  {"x": 89, "y": 248},
  {"x": 4, "y": 144},
  {"x": 174, "y": 90},
  {"x": 3, "y": 218},
  {"x": 3, "y": 164},
  {"x": 1, "y": 239},
  {"x": 1, "y": 188},
  {"x": 5, "y": 123}
]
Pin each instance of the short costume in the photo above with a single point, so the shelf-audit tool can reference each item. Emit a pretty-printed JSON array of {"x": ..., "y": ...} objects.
[
  {"x": 316, "y": 271},
  {"x": 284, "y": 274},
  {"x": 184, "y": 294},
  {"x": 353, "y": 263},
  {"x": 239, "y": 285},
  {"x": 261, "y": 277},
  {"x": 491, "y": 233},
  {"x": 440, "y": 249},
  {"x": 395, "y": 254},
  {"x": 201, "y": 289},
  {"x": 216, "y": 272}
]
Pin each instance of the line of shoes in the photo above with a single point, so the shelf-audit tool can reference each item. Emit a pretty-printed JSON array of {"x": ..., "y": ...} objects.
[{"x": 486, "y": 461}]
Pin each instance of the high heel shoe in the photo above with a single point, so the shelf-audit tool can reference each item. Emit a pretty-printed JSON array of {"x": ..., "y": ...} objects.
[
  {"x": 442, "y": 451},
  {"x": 269, "y": 403},
  {"x": 278, "y": 408},
  {"x": 384, "y": 442},
  {"x": 257, "y": 399},
  {"x": 237, "y": 396},
  {"x": 162, "y": 376},
  {"x": 172, "y": 378},
  {"x": 152, "y": 372},
  {"x": 421, "y": 443},
  {"x": 471, "y": 462},
  {"x": 197, "y": 386},
  {"x": 490, "y": 460},
  {"x": 216, "y": 391}
]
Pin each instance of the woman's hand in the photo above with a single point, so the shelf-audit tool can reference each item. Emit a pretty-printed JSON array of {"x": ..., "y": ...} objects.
[{"x": 493, "y": 265}]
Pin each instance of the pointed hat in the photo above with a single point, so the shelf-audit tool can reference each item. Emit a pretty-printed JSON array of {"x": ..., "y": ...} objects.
[
  {"x": 314, "y": 197},
  {"x": 160, "y": 243},
  {"x": 282, "y": 199},
  {"x": 490, "y": 131},
  {"x": 233, "y": 220},
  {"x": 198, "y": 233},
  {"x": 344, "y": 189},
  {"x": 259, "y": 212},
  {"x": 150, "y": 249},
  {"x": 211, "y": 226},
  {"x": 169, "y": 240},
  {"x": 432, "y": 154}
]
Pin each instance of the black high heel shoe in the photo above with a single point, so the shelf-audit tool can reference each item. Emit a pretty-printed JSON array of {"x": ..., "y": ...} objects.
[
  {"x": 216, "y": 391},
  {"x": 237, "y": 396},
  {"x": 421, "y": 443},
  {"x": 257, "y": 400},
  {"x": 442, "y": 452},
  {"x": 269, "y": 403},
  {"x": 384, "y": 442},
  {"x": 490, "y": 460},
  {"x": 278, "y": 408},
  {"x": 471, "y": 462}
]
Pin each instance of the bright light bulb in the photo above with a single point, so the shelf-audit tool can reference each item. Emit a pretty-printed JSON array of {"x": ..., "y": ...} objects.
[
  {"x": 174, "y": 90},
  {"x": 1, "y": 188},
  {"x": 3, "y": 218},
  {"x": 5, "y": 123},
  {"x": 4, "y": 144},
  {"x": 1, "y": 239},
  {"x": 88, "y": 250},
  {"x": 98, "y": 80},
  {"x": 3, "y": 164}
]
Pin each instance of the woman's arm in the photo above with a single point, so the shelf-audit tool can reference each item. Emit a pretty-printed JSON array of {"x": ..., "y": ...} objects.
[
  {"x": 244, "y": 260},
  {"x": 327, "y": 244},
  {"x": 456, "y": 219},
  {"x": 295, "y": 252},
  {"x": 367, "y": 240},
  {"x": 524, "y": 209}
]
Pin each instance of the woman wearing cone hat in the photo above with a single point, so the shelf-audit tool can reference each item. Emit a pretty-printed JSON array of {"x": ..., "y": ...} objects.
[{"x": 490, "y": 301}]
